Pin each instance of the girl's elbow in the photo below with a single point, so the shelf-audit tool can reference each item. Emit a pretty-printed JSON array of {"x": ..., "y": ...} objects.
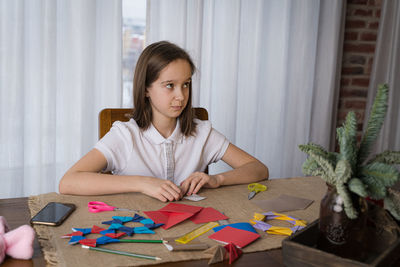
[
  {"x": 264, "y": 172},
  {"x": 63, "y": 186}
]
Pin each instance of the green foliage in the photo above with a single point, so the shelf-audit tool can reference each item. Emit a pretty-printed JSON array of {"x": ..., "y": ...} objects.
[
  {"x": 311, "y": 167},
  {"x": 348, "y": 204},
  {"x": 343, "y": 171},
  {"x": 386, "y": 174},
  {"x": 347, "y": 171},
  {"x": 392, "y": 203},
  {"x": 356, "y": 186},
  {"x": 347, "y": 137},
  {"x": 387, "y": 157},
  {"x": 375, "y": 122}
]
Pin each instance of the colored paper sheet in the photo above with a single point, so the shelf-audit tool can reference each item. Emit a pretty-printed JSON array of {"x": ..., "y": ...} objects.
[
  {"x": 172, "y": 214},
  {"x": 242, "y": 225},
  {"x": 208, "y": 215},
  {"x": 284, "y": 203},
  {"x": 233, "y": 252},
  {"x": 240, "y": 238},
  {"x": 182, "y": 208}
]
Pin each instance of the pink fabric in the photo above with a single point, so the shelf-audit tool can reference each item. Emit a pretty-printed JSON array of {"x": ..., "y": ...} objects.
[{"x": 17, "y": 243}]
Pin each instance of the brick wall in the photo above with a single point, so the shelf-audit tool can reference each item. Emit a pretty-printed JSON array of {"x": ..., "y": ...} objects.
[{"x": 361, "y": 28}]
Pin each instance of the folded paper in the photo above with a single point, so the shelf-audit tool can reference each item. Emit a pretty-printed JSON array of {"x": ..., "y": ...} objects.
[
  {"x": 172, "y": 214},
  {"x": 242, "y": 225},
  {"x": 239, "y": 237},
  {"x": 208, "y": 215},
  {"x": 284, "y": 203}
]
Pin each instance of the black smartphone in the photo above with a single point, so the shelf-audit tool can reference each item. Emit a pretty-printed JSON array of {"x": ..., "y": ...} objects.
[{"x": 54, "y": 213}]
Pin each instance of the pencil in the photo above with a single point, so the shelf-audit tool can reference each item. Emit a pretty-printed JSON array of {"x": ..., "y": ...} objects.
[
  {"x": 140, "y": 241},
  {"x": 124, "y": 253}
]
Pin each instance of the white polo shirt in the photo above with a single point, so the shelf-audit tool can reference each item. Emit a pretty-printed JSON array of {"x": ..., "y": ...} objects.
[{"x": 131, "y": 151}]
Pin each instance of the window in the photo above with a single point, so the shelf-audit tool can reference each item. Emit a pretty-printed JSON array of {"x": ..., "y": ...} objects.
[{"x": 133, "y": 36}]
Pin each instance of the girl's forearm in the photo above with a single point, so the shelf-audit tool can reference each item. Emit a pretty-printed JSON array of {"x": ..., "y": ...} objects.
[
  {"x": 251, "y": 172},
  {"x": 91, "y": 183}
]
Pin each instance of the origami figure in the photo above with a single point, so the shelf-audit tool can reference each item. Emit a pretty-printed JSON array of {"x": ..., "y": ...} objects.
[{"x": 17, "y": 243}]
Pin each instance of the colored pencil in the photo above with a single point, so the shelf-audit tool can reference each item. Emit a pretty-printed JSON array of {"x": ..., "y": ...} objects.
[
  {"x": 124, "y": 253},
  {"x": 140, "y": 240}
]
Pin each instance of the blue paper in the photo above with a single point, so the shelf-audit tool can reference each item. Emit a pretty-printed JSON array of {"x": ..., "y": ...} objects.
[
  {"x": 128, "y": 230},
  {"x": 147, "y": 221},
  {"x": 137, "y": 218},
  {"x": 85, "y": 231},
  {"x": 242, "y": 225},
  {"x": 105, "y": 240},
  {"x": 143, "y": 230},
  {"x": 113, "y": 221},
  {"x": 123, "y": 219},
  {"x": 115, "y": 226},
  {"x": 111, "y": 231}
]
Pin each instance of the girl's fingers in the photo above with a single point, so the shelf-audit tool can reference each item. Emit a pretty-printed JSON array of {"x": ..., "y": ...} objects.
[
  {"x": 193, "y": 185},
  {"x": 172, "y": 192},
  {"x": 198, "y": 187}
]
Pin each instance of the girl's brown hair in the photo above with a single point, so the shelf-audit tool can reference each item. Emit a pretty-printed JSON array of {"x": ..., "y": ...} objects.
[{"x": 151, "y": 62}]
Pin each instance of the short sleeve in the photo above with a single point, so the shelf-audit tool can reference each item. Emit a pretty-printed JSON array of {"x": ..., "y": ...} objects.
[
  {"x": 116, "y": 147},
  {"x": 216, "y": 146}
]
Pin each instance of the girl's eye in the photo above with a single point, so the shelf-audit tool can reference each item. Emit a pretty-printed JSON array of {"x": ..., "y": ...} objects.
[
  {"x": 186, "y": 85},
  {"x": 170, "y": 85}
]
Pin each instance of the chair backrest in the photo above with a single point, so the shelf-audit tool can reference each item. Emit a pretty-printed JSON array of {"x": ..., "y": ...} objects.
[{"x": 108, "y": 115}]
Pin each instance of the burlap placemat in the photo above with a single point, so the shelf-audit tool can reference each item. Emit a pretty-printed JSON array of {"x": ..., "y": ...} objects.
[{"x": 231, "y": 200}]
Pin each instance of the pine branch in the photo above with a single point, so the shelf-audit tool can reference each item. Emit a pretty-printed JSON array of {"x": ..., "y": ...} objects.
[
  {"x": 386, "y": 174},
  {"x": 376, "y": 190},
  {"x": 392, "y": 203},
  {"x": 376, "y": 119},
  {"x": 347, "y": 137},
  {"x": 348, "y": 204},
  {"x": 320, "y": 151},
  {"x": 356, "y": 186},
  {"x": 343, "y": 171},
  {"x": 328, "y": 173},
  {"x": 311, "y": 167},
  {"x": 387, "y": 157}
]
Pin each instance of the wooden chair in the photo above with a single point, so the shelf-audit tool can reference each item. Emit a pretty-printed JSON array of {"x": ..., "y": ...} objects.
[{"x": 109, "y": 115}]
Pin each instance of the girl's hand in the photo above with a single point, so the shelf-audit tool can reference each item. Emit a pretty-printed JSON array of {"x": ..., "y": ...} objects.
[
  {"x": 197, "y": 180},
  {"x": 163, "y": 190}
]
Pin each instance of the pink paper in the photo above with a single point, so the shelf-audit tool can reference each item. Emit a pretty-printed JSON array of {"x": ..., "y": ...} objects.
[
  {"x": 240, "y": 238},
  {"x": 208, "y": 215},
  {"x": 172, "y": 214}
]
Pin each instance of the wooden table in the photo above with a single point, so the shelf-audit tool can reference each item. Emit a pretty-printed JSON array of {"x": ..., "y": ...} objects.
[{"x": 16, "y": 212}]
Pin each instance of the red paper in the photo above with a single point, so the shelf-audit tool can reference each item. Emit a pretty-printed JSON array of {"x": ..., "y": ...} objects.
[
  {"x": 172, "y": 214},
  {"x": 115, "y": 235},
  {"x": 233, "y": 252},
  {"x": 240, "y": 238},
  {"x": 208, "y": 215},
  {"x": 96, "y": 229},
  {"x": 88, "y": 242}
]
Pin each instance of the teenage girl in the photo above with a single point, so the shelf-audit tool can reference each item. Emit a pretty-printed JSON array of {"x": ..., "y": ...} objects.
[{"x": 163, "y": 150}]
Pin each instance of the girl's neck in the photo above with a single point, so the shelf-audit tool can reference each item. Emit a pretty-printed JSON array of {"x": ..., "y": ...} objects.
[{"x": 165, "y": 127}]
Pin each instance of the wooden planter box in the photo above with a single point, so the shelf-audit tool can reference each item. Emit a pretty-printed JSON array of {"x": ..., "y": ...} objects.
[{"x": 300, "y": 250}]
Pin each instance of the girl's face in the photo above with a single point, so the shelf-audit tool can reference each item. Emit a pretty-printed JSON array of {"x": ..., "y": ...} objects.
[{"x": 169, "y": 94}]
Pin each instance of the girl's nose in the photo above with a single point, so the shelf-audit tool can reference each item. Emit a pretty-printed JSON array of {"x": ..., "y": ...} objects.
[{"x": 179, "y": 94}]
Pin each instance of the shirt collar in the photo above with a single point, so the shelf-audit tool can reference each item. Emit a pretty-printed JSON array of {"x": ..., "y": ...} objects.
[{"x": 154, "y": 136}]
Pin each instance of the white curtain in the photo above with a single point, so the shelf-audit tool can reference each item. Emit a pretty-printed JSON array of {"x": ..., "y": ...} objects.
[
  {"x": 60, "y": 64},
  {"x": 267, "y": 70},
  {"x": 386, "y": 69}
]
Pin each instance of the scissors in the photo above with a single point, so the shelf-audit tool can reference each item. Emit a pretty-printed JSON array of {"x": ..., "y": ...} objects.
[
  {"x": 98, "y": 206},
  {"x": 255, "y": 188}
]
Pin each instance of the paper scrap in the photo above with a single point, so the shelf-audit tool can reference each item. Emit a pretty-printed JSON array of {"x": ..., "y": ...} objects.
[
  {"x": 284, "y": 203},
  {"x": 194, "y": 197}
]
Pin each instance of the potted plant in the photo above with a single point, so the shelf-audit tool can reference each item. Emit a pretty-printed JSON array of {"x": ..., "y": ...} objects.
[{"x": 351, "y": 176}]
